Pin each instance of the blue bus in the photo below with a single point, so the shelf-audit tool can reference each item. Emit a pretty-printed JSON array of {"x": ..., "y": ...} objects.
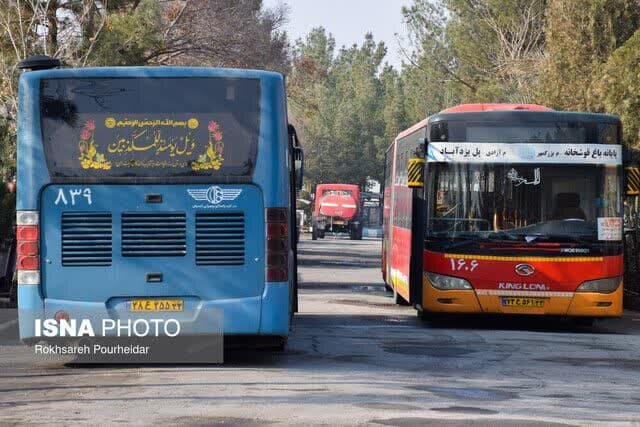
[{"x": 157, "y": 189}]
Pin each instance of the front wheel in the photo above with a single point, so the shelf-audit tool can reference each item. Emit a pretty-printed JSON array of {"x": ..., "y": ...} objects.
[
  {"x": 398, "y": 299},
  {"x": 584, "y": 322},
  {"x": 314, "y": 233},
  {"x": 355, "y": 233}
]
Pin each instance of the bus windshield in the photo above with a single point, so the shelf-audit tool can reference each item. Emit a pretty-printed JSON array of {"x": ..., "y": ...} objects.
[
  {"x": 101, "y": 129},
  {"x": 509, "y": 201}
]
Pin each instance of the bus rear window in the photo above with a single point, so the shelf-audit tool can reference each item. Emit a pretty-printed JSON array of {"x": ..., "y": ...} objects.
[{"x": 106, "y": 129}]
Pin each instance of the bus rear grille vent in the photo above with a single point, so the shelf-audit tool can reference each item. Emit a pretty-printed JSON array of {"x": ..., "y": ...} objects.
[
  {"x": 220, "y": 238},
  {"x": 86, "y": 239},
  {"x": 154, "y": 234}
]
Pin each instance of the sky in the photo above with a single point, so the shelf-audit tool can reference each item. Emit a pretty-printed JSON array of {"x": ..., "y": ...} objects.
[{"x": 348, "y": 21}]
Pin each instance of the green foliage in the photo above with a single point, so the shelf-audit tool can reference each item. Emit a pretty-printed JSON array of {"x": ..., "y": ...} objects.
[
  {"x": 619, "y": 87},
  {"x": 128, "y": 38},
  {"x": 340, "y": 105},
  {"x": 580, "y": 37},
  {"x": 472, "y": 51}
]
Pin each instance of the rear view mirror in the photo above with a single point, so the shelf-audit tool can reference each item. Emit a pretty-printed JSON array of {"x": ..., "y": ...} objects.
[
  {"x": 298, "y": 162},
  {"x": 298, "y": 156},
  {"x": 632, "y": 180}
]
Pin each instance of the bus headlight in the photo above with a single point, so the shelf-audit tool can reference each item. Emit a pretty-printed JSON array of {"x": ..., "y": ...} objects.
[
  {"x": 447, "y": 283},
  {"x": 601, "y": 286}
]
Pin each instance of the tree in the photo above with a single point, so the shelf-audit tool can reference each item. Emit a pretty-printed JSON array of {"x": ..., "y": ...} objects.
[
  {"x": 619, "y": 87},
  {"x": 580, "y": 37},
  {"x": 474, "y": 50},
  {"x": 64, "y": 29},
  {"x": 133, "y": 32},
  {"x": 338, "y": 102}
]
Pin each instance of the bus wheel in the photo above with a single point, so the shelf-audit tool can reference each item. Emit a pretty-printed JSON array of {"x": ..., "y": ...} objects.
[
  {"x": 314, "y": 233},
  {"x": 278, "y": 344},
  {"x": 321, "y": 234},
  {"x": 353, "y": 234},
  {"x": 426, "y": 315},
  {"x": 13, "y": 295},
  {"x": 398, "y": 299},
  {"x": 584, "y": 322}
]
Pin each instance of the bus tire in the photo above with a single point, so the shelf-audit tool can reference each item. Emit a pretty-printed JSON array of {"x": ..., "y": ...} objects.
[
  {"x": 314, "y": 233},
  {"x": 584, "y": 322},
  {"x": 13, "y": 295},
  {"x": 321, "y": 234},
  {"x": 359, "y": 233},
  {"x": 278, "y": 344},
  {"x": 425, "y": 315},
  {"x": 353, "y": 234},
  {"x": 398, "y": 299}
]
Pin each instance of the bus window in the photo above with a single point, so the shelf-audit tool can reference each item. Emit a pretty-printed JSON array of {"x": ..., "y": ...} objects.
[{"x": 113, "y": 128}]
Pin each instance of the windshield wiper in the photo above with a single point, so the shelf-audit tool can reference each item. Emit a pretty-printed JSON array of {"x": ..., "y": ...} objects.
[
  {"x": 560, "y": 238},
  {"x": 503, "y": 235}
]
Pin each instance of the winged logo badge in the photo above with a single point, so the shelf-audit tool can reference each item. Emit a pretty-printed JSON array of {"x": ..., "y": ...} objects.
[{"x": 214, "y": 194}]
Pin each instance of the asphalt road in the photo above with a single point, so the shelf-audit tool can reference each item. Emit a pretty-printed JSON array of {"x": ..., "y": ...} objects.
[{"x": 354, "y": 357}]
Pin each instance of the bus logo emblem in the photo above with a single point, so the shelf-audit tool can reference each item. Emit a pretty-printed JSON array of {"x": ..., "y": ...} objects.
[
  {"x": 525, "y": 270},
  {"x": 215, "y": 194}
]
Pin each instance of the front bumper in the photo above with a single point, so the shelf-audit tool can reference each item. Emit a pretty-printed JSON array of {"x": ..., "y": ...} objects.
[{"x": 555, "y": 303}]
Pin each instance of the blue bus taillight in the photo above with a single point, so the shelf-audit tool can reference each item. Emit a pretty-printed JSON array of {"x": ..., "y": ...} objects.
[
  {"x": 28, "y": 251},
  {"x": 277, "y": 256}
]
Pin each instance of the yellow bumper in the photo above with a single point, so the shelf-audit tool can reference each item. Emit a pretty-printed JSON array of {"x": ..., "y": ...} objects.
[{"x": 569, "y": 304}]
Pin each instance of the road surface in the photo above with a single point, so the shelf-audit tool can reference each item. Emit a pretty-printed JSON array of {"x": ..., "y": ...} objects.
[{"x": 355, "y": 358}]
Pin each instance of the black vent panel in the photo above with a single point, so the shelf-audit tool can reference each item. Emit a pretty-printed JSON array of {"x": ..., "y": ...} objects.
[
  {"x": 220, "y": 238},
  {"x": 154, "y": 234},
  {"x": 86, "y": 239}
]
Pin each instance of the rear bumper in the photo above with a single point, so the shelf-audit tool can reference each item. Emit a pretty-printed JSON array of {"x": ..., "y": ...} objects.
[
  {"x": 262, "y": 315},
  {"x": 571, "y": 304}
]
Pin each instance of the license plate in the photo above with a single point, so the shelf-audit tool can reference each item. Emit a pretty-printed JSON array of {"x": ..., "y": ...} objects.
[
  {"x": 157, "y": 305},
  {"x": 338, "y": 222},
  {"x": 523, "y": 302}
]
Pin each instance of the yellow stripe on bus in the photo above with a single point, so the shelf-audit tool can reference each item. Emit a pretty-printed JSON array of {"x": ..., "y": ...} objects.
[{"x": 524, "y": 259}]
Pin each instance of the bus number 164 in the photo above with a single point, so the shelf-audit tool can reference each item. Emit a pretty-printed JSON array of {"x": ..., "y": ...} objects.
[{"x": 462, "y": 264}]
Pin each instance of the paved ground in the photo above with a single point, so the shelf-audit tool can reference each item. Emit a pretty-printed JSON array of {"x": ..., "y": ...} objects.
[{"x": 354, "y": 357}]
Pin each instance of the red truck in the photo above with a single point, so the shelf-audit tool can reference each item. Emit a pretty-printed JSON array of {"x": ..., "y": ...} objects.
[{"x": 337, "y": 208}]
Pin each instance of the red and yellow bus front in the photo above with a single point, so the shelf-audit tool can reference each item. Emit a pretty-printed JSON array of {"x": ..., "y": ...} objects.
[
  {"x": 526, "y": 227},
  {"x": 521, "y": 284}
]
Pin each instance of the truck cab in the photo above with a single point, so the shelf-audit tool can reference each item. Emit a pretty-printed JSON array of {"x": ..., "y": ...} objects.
[{"x": 337, "y": 208}]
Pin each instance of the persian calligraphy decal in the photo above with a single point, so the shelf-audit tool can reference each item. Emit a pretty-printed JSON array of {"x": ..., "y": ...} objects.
[
  {"x": 470, "y": 152},
  {"x": 146, "y": 142},
  {"x": 90, "y": 158},
  {"x": 212, "y": 157}
]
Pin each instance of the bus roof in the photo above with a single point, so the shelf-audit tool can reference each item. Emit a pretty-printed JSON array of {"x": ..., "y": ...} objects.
[
  {"x": 150, "y": 71},
  {"x": 525, "y": 116},
  {"x": 468, "y": 108},
  {"x": 505, "y": 111}
]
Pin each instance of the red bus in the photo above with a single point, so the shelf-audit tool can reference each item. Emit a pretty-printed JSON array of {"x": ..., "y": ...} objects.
[{"x": 520, "y": 212}]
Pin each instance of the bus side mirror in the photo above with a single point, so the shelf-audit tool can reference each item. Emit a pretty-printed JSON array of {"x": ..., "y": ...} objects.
[
  {"x": 632, "y": 180},
  {"x": 415, "y": 172},
  {"x": 298, "y": 163},
  {"x": 298, "y": 156}
]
